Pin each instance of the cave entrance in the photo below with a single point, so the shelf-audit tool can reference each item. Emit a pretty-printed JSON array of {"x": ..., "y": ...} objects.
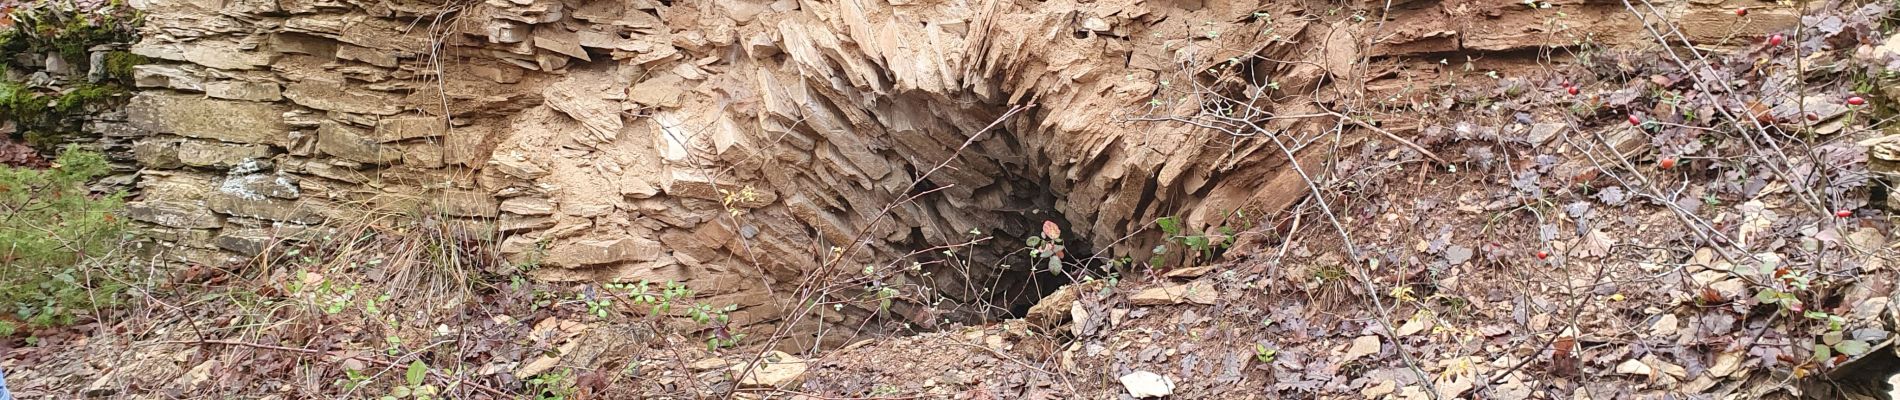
[{"x": 1028, "y": 247}]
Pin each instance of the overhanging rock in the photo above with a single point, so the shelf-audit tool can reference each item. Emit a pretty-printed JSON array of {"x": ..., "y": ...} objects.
[{"x": 748, "y": 149}]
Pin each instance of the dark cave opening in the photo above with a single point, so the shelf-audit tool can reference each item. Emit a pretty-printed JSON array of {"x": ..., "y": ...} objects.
[{"x": 1002, "y": 277}]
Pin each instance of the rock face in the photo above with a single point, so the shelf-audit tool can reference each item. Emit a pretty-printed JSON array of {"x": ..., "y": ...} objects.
[{"x": 742, "y": 146}]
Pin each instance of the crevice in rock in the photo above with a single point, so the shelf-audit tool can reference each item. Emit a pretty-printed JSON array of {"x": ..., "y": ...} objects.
[{"x": 994, "y": 278}]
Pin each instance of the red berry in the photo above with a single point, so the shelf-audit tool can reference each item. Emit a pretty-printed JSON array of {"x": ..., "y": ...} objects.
[
  {"x": 1844, "y": 213},
  {"x": 1775, "y": 40},
  {"x": 1667, "y": 163},
  {"x": 1814, "y": 117},
  {"x": 1741, "y": 12},
  {"x": 1635, "y": 121},
  {"x": 1543, "y": 254},
  {"x": 1855, "y": 101},
  {"x": 1573, "y": 90}
]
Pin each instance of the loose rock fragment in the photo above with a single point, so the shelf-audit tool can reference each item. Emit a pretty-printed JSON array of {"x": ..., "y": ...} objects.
[
  {"x": 1144, "y": 384},
  {"x": 775, "y": 370},
  {"x": 1197, "y": 292}
]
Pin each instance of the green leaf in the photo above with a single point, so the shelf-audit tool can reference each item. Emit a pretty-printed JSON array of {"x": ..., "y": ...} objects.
[
  {"x": 1852, "y": 347},
  {"x": 417, "y": 371},
  {"x": 1765, "y": 296},
  {"x": 1831, "y": 338},
  {"x": 1170, "y": 225},
  {"x": 1821, "y": 352},
  {"x": 1198, "y": 243}
]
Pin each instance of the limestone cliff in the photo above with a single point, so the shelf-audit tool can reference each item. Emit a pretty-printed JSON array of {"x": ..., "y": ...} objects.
[{"x": 740, "y": 145}]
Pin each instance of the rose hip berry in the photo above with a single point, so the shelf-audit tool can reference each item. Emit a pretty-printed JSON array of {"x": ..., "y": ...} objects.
[
  {"x": 1856, "y": 100},
  {"x": 1573, "y": 90},
  {"x": 1667, "y": 163},
  {"x": 1635, "y": 121},
  {"x": 1741, "y": 12},
  {"x": 1844, "y": 213},
  {"x": 1776, "y": 40},
  {"x": 1543, "y": 254}
]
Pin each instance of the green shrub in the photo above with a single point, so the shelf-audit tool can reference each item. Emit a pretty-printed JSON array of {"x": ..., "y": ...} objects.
[{"x": 57, "y": 241}]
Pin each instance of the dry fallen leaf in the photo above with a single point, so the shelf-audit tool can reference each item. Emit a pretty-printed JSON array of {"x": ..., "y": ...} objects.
[
  {"x": 1419, "y": 322},
  {"x": 1361, "y": 347},
  {"x": 1413, "y": 392},
  {"x": 1511, "y": 390},
  {"x": 1665, "y": 327},
  {"x": 1383, "y": 388},
  {"x": 1634, "y": 367},
  {"x": 1667, "y": 368},
  {"x": 1451, "y": 387},
  {"x": 1595, "y": 244}
]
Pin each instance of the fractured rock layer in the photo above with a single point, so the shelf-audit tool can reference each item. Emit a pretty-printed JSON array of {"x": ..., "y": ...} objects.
[{"x": 739, "y": 145}]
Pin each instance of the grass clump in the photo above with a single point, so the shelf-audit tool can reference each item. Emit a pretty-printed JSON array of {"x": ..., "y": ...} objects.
[{"x": 57, "y": 242}]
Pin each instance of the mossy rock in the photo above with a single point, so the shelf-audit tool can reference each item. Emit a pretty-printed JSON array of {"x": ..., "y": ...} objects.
[
  {"x": 49, "y": 116},
  {"x": 67, "y": 32},
  {"x": 119, "y": 65}
]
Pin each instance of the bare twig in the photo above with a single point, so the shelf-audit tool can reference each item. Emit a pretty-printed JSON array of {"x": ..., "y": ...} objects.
[{"x": 1390, "y": 135}]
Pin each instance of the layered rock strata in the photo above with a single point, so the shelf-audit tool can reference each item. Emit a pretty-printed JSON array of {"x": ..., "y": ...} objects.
[{"x": 739, "y": 145}]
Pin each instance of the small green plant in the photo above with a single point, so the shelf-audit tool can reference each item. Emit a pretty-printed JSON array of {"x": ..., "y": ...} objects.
[
  {"x": 1833, "y": 339},
  {"x": 598, "y": 306},
  {"x": 1204, "y": 246},
  {"x": 552, "y": 385},
  {"x": 352, "y": 379},
  {"x": 662, "y": 301},
  {"x": 60, "y": 239},
  {"x": 1264, "y": 354},
  {"x": 415, "y": 384},
  {"x": 731, "y": 200},
  {"x": 1830, "y": 329},
  {"x": 338, "y": 298},
  {"x": 718, "y": 319},
  {"x": 1047, "y": 247}
]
